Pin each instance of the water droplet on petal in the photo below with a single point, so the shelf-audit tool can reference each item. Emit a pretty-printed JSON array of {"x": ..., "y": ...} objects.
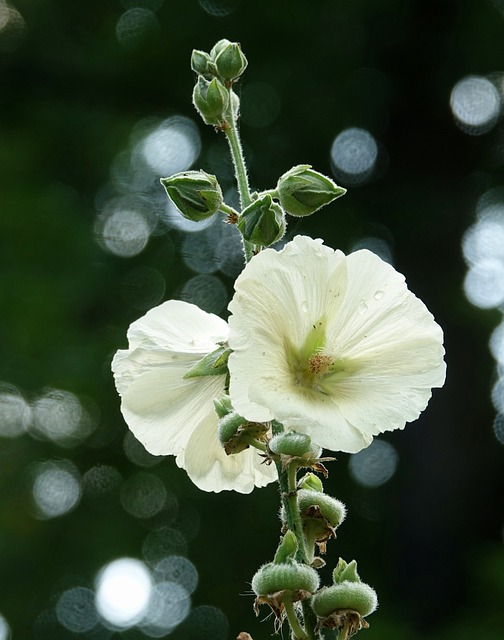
[
  {"x": 362, "y": 308},
  {"x": 304, "y": 306},
  {"x": 379, "y": 295}
]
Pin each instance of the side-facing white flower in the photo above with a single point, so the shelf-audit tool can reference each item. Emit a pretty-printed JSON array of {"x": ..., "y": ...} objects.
[
  {"x": 330, "y": 345},
  {"x": 173, "y": 415}
]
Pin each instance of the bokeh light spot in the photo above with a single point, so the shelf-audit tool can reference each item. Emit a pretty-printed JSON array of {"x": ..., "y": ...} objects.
[
  {"x": 485, "y": 238},
  {"x": 56, "y": 488},
  {"x": 177, "y": 569},
  {"x": 123, "y": 590},
  {"x": 200, "y": 253},
  {"x": 498, "y": 427},
  {"x": 373, "y": 466},
  {"x": 59, "y": 416},
  {"x": 136, "y": 26},
  {"x": 12, "y": 27},
  {"x": 172, "y": 146},
  {"x": 475, "y": 103},
  {"x": 354, "y": 153},
  {"x": 161, "y": 543},
  {"x": 169, "y": 605},
  {"x": 260, "y": 104},
  {"x": 143, "y": 287},
  {"x": 101, "y": 486},
  {"x": 484, "y": 283},
  {"x": 143, "y": 495},
  {"x": 206, "y": 622},
  {"x": 125, "y": 232},
  {"x": 206, "y": 292},
  {"x": 15, "y": 412},
  {"x": 219, "y": 8},
  {"x": 76, "y": 610},
  {"x": 5, "y": 632}
]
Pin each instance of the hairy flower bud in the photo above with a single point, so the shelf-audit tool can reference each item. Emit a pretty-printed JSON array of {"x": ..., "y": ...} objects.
[
  {"x": 292, "y": 443},
  {"x": 288, "y": 576},
  {"x": 263, "y": 222},
  {"x": 316, "y": 505},
  {"x": 201, "y": 63},
  {"x": 311, "y": 481},
  {"x": 303, "y": 191},
  {"x": 356, "y": 596},
  {"x": 230, "y": 62},
  {"x": 286, "y": 549},
  {"x": 196, "y": 194},
  {"x": 211, "y": 99},
  {"x": 345, "y": 572}
]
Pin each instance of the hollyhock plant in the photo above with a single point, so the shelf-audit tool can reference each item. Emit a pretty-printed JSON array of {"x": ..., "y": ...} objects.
[
  {"x": 172, "y": 414},
  {"x": 330, "y": 345},
  {"x": 322, "y": 350}
]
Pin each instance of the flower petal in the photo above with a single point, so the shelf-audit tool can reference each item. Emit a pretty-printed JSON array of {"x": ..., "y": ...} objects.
[
  {"x": 211, "y": 469},
  {"x": 160, "y": 406}
]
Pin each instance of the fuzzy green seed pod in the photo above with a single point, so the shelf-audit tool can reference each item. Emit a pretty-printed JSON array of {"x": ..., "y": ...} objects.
[
  {"x": 303, "y": 191},
  {"x": 288, "y": 576},
  {"x": 356, "y": 596},
  {"x": 332, "y": 510},
  {"x": 291, "y": 443}
]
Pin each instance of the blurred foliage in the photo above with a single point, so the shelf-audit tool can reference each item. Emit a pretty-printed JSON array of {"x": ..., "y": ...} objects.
[{"x": 430, "y": 540}]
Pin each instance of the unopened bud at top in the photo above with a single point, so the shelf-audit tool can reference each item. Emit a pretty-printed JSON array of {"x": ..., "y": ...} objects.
[
  {"x": 263, "y": 222},
  {"x": 196, "y": 194},
  {"x": 230, "y": 61},
  {"x": 302, "y": 191}
]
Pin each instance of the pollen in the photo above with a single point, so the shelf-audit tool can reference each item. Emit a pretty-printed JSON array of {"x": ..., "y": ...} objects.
[{"x": 319, "y": 365}]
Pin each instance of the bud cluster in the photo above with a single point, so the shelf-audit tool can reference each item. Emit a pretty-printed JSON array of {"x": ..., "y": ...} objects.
[{"x": 213, "y": 96}]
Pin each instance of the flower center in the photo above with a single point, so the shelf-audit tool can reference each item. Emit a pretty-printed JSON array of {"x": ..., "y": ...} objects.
[{"x": 311, "y": 367}]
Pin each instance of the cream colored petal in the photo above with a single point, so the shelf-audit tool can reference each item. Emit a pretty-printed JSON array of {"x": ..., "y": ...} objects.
[
  {"x": 211, "y": 469},
  {"x": 162, "y": 409},
  {"x": 178, "y": 326}
]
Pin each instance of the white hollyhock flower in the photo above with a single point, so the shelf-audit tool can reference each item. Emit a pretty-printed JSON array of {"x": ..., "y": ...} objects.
[
  {"x": 330, "y": 345},
  {"x": 172, "y": 415}
]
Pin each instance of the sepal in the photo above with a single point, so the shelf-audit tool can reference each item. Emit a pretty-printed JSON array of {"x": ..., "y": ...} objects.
[
  {"x": 196, "y": 194},
  {"x": 262, "y": 222},
  {"x": 214, "y": 364}
]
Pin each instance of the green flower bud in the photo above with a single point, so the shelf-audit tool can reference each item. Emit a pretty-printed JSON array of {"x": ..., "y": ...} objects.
[
  {"x": 355, "y": 596},
  {"x": 200, "y": 62},
  {"x": 196, "y": 194},
  {"x": 227, "y": 430},
  {"x": 289, "y": 576},
  {"x": 314, "y": 505},
  {"x": 263, "y": 222},
  {"x": 291, "y": 443},
  {"x": 311, "y": 481},
  {"x": 286, "y": 549},
  {"x": 345, "y": 572},
  {"x": 211, "y": 99},
  {"x": 230, "y": 62},
  {"x": 218, "y": 47},
  {"x": 303, "y": 191},
  {"x": 214, "y": 364}
]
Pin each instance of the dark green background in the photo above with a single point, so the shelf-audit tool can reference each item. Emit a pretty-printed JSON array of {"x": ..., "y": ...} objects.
[{"x": 70, "y": 95}]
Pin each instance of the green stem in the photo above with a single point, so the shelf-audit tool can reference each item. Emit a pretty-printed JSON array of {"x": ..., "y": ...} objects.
[
  {"x": 287, "y": 480},
  {"x": 297, "y": 630},
  {"x": 225, "y": 208},
  {"x": 235, "y": 147}
]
